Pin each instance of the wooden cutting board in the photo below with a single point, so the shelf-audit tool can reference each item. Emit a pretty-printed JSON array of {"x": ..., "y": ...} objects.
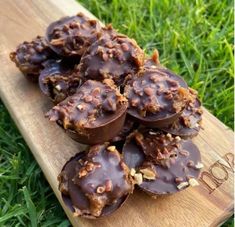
[{"x": 209, "y": 204}]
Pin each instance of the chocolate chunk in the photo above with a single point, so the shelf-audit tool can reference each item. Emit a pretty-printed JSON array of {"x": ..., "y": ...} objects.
[
  {"x": 58, "y": 80},
  {"x": 70, "y": 36},
  {"x": 94, "y": 114},
  {"x": 29, "y": 57},
  {"x": 189, "y": 123},
  {"x": 156, "y": 96},
  {"x": 167, "y": 179},
  {"x": 102, "y": 189},
  {"x": 112, "y": 56}
]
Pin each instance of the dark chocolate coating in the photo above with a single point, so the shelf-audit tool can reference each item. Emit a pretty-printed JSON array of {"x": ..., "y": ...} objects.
[
  {"x": 167, "y": 179},
  {"x": 96, "y": 183},
  {"x": 188, "y": 124},
  {"x": 156, "y": 96},
  {"x": 58, "y": 80},
  {"x": 70, "y": 36},
  {"x": 29, "y": 57},
  {"x": 94, "y": 114},
  {"x": 114, "y": 57}
]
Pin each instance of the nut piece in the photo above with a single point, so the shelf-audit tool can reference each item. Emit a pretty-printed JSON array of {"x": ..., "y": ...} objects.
[
  {"x": 193, "y": 182},
  {"x": 138, "y": 178},
  {"x": 132, "y": 172},
  {"x": 82, "y": 173},
  {"x": 177, "y": 138},
  {"x": 58, "y": 87},
  {"x": 182, "y": 185},
  {"x": 100, "y": 189},
  {"x": 148, "y": 174},
  {"x": 199, "y": 165},
  {"x": 111, "y": 148},
  {"x": 76, "y": 212}
]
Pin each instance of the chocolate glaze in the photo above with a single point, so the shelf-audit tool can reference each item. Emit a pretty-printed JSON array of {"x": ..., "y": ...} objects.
[
  {"x": 94, "y": 114},
  {"x": 156, "y": 96},
  {"x": 70, "y": 36},
  {"x": 95, "y": 184},
  {"x": 188, "y": 124},
  {"x": 114, "y": 57},
  {"x": 58, "y": 80},
  {"x": 169, "y": 179},
  {"x": 29, "y": 57}
]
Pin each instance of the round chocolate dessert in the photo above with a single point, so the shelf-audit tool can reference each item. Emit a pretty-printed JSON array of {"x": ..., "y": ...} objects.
[
  {"x": 94, "y": 114},
  {"x": 114, "y": 57},
  {"x": 70, "y": 36},
  {"x": 96, "y": 183},
  {"x": 58, "y": 80},
  {"x": 156, "y": 96},
  {"x": 29, "y": 57},
  {"x": 160, "y": 163},
  {"x": 189, "y": 122}
]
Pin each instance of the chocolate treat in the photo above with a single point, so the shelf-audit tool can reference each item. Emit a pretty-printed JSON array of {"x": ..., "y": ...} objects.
[
  {"x": 29, "y": 57},
  {"x": 157, "y": 179},
  {"x": 94, "y": 114},
  {"x": 58, "y": 80},
  {"x": 114, "y": 57},
  {"x": 156, "y": 96},
  {"x": 189, "y": 123},
  {"x": 97, "y": 183},
  {"x": 70, "y": 36}
]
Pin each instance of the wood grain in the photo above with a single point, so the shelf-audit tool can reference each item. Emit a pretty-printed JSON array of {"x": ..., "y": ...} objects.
[{"x": 22, "y": 20}]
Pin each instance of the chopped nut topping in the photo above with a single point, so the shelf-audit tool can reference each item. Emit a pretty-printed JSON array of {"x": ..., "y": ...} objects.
[
  {"x": 177, "y": 138},
  {"x": 190, "y": 163},
  {"x": 148, "y": 91},
  {"x": 58, "y": 87},
  {"x": 199, "y": 165},
  {"x": 193, "y": 182},
  {"x": 100, "y": 189},
  {"x": 138, "y": 178},
  {"x": 179, "y": 180},
  {"x": 89, "y": 166},
  {"x": 132, "y": 172},
  {"x": 108, "y": 186},
  {"x": 184, "y": 153},
  {"x": 80, "y": 107},
  {"x": 76, "y": 212},
  {"x": 182, "y": 185},
  {"x": 148, "y": 173},
  {"x": 152, "y": 133},
  {"x": 168, "y": 135},
  {"x": 111, "y": 148},
  {"x": 82, "y": 173}
]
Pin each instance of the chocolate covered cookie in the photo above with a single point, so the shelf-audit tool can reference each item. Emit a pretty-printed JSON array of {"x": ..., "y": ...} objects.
[
  {"x": 94, "y": 114},
  {"x": 156, "y": 96},
  {"x": 96, "y": 183},
  {"x": 114, "y": 57},
  {"x": 70, "y": 36},
  {"x": 29, "y": 57},
  {"x": 162, "y": 164}
]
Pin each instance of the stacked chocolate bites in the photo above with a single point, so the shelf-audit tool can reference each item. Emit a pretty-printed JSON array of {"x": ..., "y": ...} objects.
[{"x": 137, "y": 116}]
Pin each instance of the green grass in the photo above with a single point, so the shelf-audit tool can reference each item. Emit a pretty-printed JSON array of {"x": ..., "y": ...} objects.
[{"x": 194, "y": 38}]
